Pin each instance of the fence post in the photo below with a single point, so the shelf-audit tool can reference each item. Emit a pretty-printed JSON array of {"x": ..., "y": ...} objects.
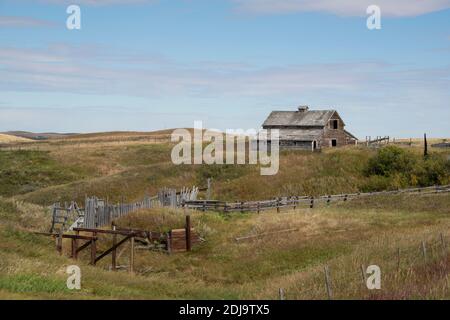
[
  {"x": 312, "y": 203},
  {"x": 113, "y": 253},
  {"x": 132, "y": 254},
  {"x": 257, "y": 206},
  {"x": 424, "y": 250},
  {"x": 169, "y": 243},
  {"x": 328, "y": 283},
  {"x": 278, "y": 205},
  {"x": 93, "y": 251},
  {"x": 281, "y": 294},
  {"x": 398, "y": 259},
  {"x": 59, "y": 242},
  {"x": 188, "y": 233}
]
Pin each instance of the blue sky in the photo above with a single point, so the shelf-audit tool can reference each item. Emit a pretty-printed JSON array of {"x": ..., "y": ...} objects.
[{"x": 149, "y": 64}]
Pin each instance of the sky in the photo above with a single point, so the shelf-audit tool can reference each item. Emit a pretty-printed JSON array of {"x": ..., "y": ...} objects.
[{"x": 145, "y": 65}]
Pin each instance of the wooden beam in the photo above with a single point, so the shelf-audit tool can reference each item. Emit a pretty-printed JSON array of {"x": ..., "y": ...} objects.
[
  {"x": 84, "y": 246},
  {"x": 93, "y": 252},
  {"x": 66, "y": 236},
  {"x": 74, "y": 248},
  {"x": 112, "y": 248},
  {"x": 132, "y": 255},
  {"x": 114, "y": 254},
  {"x": 188, "y": 233}
]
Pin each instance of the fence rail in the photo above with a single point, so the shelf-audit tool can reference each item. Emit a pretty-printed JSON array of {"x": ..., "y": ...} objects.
[
  {"x": 297, "y": 201},
  {"x": 98, "y": 212}
]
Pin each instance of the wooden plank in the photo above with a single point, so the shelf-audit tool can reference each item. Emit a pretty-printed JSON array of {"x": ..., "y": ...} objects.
[
  {"x": 66, "y": 236},
  {"x": 112, "y": 248},
  {"x": 114, "y": 254},
  {"x": 93, "y": 252},
  {"x": 132, "y": 255},
  {"x": 84, "y": 246},
  {"x": 188, "y": 233}
]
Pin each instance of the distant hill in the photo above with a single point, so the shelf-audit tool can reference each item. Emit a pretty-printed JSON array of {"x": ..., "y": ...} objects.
[
  {"x": 38, "y": 136},
  {"x": 8, "y": 138}
]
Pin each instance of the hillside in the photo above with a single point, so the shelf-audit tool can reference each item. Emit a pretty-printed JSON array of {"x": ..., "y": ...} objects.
[
  {"x": 7, "y": 138},
  {"x": 39, "y": 136},
  {"x": 342, "y": 236}
]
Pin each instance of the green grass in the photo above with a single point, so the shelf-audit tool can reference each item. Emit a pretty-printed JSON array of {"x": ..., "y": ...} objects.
[
  {"x": 27, "y": 283},
  {"x": 26, "y": 171},
  {"x": 131, "y": 171},
  {"x": 342, "y": 236}
]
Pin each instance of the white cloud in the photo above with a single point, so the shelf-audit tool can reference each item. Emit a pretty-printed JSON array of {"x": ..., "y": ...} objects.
[
  {"x": 94, "y": 70},
  {"x": 357, "y": 89},
  {"x": 98, "y": 2},
  {"x": 10, "y": 21},
  {"x": 392, "y": 8}
]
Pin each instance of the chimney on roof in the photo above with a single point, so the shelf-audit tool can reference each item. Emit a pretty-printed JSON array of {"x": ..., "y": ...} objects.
[{"x": 303, "y": 108}]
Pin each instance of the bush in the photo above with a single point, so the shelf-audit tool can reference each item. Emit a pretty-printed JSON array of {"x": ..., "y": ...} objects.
[
  {"x": 393, "y": 167},
  {"x": 390, "y": 160},
  {"x": 434, "y": 170}
]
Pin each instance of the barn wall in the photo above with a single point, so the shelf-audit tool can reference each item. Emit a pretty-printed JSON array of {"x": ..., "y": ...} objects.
[
  {"x": 338, "y": 134},
  {"x": 301, "y": 145}
]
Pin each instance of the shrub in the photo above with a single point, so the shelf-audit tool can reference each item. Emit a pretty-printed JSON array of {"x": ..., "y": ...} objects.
[
  {"x": 433, "y": 170},
  {"x": 393, "y": 167},
  {"x": 390, "y": 160}
]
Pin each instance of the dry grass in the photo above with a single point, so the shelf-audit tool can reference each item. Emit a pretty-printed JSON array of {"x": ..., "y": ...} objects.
[
  {"x": 9, "y": 139},
  {"x": 342, "y": 236}
]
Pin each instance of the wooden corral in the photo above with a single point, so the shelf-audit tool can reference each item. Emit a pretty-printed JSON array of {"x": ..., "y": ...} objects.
[{"x": 176, "y": 240}]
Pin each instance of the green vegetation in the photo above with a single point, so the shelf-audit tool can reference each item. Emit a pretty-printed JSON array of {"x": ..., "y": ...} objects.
[
  {"x": 395, "y": 167},
  {"x": 130, "y": 171},
  {"x": 343, "y": 236},
  {"x": 25, "y": 171}
]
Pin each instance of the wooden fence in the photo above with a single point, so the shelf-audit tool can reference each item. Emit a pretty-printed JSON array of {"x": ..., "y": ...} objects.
[
  {"x": 98, "y": 212},
  {"x": 177, "y": 240},
  {"x": 300, "y": 201}
]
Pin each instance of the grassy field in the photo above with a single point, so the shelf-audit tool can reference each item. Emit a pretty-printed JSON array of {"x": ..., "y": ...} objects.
[
  {"x": 342, "y": 236},
  {"x": 7, "y": 138}
]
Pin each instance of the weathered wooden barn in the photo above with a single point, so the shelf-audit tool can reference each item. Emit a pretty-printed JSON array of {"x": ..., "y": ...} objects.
[{"x": 309, "y": 129}]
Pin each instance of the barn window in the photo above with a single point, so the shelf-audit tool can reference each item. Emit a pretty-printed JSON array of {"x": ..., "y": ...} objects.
[
  {"x": 334, "y": 124},
  {"x": 333, "y": 142}
]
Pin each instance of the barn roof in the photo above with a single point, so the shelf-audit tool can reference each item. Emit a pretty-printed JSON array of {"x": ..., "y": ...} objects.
[
  {"x": 309, "y": 118},
  {"x": 351, "y": 135}
]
